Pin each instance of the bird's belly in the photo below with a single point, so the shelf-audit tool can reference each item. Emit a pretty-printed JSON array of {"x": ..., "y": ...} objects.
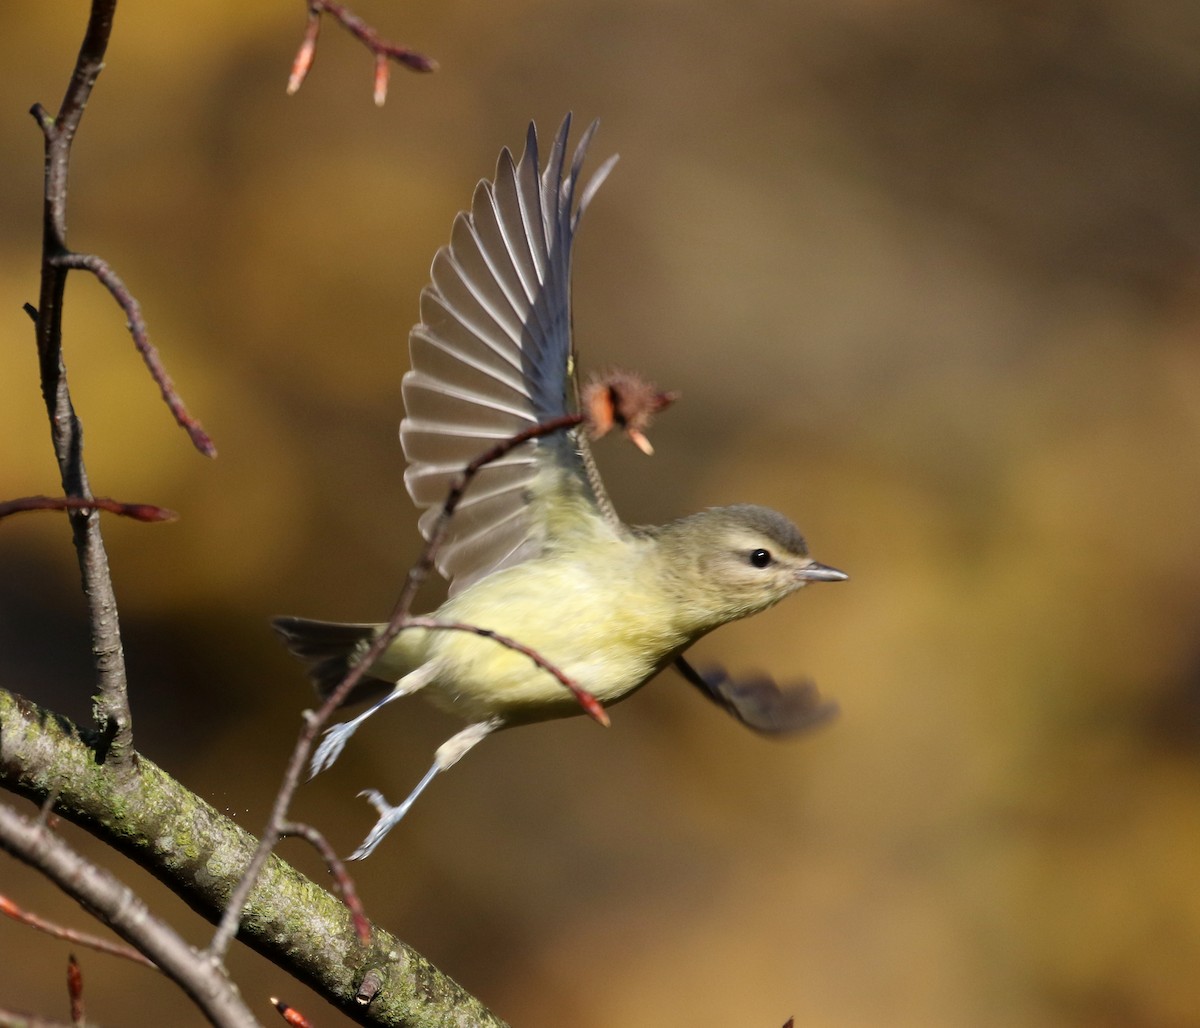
[
  {"x": 484, "y": 678},
  {"x": 605, "y": 644}
]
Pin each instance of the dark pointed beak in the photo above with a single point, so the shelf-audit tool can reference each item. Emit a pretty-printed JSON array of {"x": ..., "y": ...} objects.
[{"x": 815, "y": 572}]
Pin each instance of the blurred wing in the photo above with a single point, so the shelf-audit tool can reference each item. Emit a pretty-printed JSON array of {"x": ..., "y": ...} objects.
[
  {"x": 491, "y": 357},
  {"x": 759, "y": 703}
]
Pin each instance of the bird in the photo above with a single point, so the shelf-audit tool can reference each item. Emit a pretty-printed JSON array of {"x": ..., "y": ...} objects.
[{"x": 535, "y": 552}]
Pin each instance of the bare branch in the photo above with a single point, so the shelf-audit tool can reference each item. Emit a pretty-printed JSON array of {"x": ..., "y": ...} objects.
[
  {"x": 111, "y": 703},
  {"x": 115, "y": 949},
  {"x": 306, "y": 53},
  {"x": 365, "y": 34},
  {"x": 138, "y": 511},
  {"x": 141, "y": 339},
  {"x": 629, "y": 409},
  {"x": 118, "y": 907},
  {"x": 75, "y": 990},
  {"x": 315, "y": 721},
  {"x": 57, "y": 259}
]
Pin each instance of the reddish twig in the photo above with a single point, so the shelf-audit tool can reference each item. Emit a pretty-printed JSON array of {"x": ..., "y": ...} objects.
[
  {"x": 419, "y": 572},
  {"x": 75, "y": 990},
  {"x": 137, "y": 511},
  {"x": 341, "y": 877},
  {"x": 591, "y": 706},
  {"x": 306, "y": 53},
  {"x": 383, "y": 72},
  {"x": 141, "y": 339},
  {"x": 291, "y": 1015},
  {"x": 383, "y": 51},
  {"x": 315, "y": 721},
  {"x": 115, "y": 949},
  {"x": 625, "y": 415}
]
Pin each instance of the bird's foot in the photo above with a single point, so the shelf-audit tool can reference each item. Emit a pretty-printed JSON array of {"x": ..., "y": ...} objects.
[
  {"x": 389, "y": 817},
  {"x": 331, "y": 746}
]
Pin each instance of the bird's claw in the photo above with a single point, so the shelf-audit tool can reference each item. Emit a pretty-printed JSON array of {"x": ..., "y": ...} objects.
[
  {"x": 330, "y": 748},
  {"x": 389, "y": 817}
]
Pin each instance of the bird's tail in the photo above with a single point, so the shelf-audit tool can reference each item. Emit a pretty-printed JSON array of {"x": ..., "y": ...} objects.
[{"x": 332, "y": 650}]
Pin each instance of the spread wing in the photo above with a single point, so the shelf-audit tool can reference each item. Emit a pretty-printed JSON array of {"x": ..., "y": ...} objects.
[{"x": 493, "y": 356}]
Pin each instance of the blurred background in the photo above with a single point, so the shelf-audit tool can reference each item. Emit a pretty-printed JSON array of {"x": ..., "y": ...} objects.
[{"x": 927, "y": 276}]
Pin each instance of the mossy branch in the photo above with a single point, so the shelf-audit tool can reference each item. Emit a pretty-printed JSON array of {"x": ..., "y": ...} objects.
[{"x": 200, "y": 855}]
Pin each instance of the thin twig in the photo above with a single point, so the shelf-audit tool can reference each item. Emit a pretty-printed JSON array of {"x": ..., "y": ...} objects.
[
  {"x": 141, "y": 339},
  {"x": 137, "y": 511},
  {"x": 631, "y": 414},
  {"x": 341, "y": 877},
  {"x": 365, "y": 34},
  {"x": 315, "y": 721},
  {"x": 306, "y": 53},
  {"x": 46, "y": 814},
  {"x": 115, "y": 949},
  {"x": 75, "y": 990},
  {"x": 592, "y": 707},
  {"x": 205, "y": 981}
]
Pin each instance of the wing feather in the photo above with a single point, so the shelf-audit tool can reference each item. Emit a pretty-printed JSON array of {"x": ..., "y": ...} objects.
[
  {"x": 438, "y": 321},
  {"x": 488, "y": 232},
  {"x": 492, "y": 356}
]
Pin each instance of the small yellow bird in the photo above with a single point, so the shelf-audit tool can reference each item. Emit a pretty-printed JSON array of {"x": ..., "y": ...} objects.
[{"x": 535, "y": 552}]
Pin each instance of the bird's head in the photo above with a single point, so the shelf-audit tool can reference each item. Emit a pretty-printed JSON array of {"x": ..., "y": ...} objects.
[{"x": 730, "y": 562}]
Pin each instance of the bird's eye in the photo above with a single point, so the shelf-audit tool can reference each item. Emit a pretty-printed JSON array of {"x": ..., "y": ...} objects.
[{"x": 760, "y": 558}]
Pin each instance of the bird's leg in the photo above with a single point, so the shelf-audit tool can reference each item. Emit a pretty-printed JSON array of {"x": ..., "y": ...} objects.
[
  {"x": 337, "y": 736},
  {"x": 448, "y": 754}
]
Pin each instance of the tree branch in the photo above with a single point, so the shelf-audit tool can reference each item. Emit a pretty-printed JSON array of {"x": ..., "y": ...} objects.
[{"x": 201, "y": 855}]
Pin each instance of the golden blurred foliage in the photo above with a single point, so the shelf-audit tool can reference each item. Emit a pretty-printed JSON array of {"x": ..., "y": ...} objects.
[{"x": 927, "y": 276}]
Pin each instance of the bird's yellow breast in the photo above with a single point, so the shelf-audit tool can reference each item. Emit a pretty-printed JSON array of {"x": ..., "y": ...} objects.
[{"x": 599, "y": 614}]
